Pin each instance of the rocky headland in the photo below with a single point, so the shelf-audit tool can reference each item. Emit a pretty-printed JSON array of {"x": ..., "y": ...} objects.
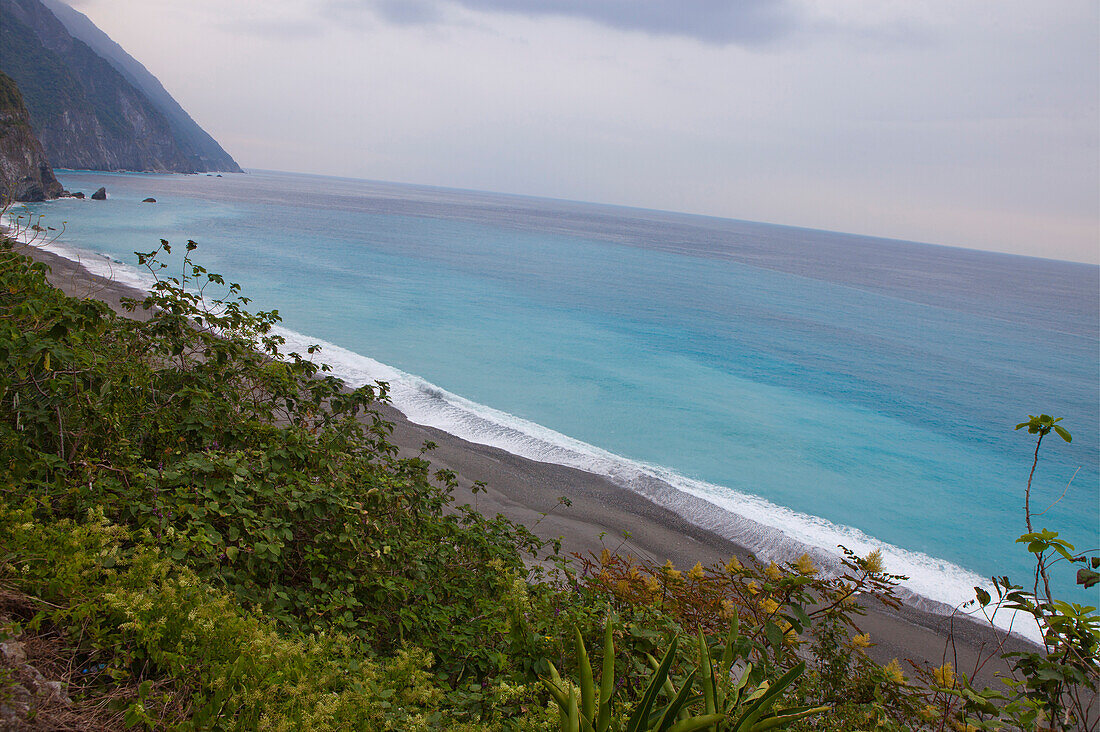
[
  {"x": 25, "y": 172},
  {"x": 86, "y": 113}
]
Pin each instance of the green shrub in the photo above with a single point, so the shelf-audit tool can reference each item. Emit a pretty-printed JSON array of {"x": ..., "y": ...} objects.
[
  {"x": 250, "y": 465},
  {"x": 195, "y": 505}
]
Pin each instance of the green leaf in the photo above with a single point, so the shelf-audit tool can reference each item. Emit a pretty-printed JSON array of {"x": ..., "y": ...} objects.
[
  {"x": 1087, "y": 577},
  {"x": 584, "y": 671},
  {"x": 707, "y": 670},
  {"x": 573, "y": 714},
  {"x": 556, "y": 692},
  {"x": 607, "y": 678},
  {"x": 775, "y": 636},
  {"x": 731, "y": 641},
  {"x": 800, "y": 615},
  {"x": 135, "y": 715},
  {"x": 762, "y": 702},
  {"x": 1063, "y": 433},
  {"x": 673, "y": 709},
  {"x": 641, "y": 711},
  {"x": 784, "y": 720},
  {"x": 697, "y": 723}
]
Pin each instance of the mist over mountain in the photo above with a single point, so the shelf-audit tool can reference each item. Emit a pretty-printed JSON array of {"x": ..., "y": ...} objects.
[
  {"x": 93, "y": 112},
  {"x": 186, "y": 130}
]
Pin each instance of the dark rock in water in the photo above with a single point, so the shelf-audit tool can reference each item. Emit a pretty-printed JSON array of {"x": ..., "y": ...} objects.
[
  {"x": 100, "y": 195},
  {"x": 150, "y": 200},
  {"x": 219, "y": 175},
  {"x": 79, "y": 194}
]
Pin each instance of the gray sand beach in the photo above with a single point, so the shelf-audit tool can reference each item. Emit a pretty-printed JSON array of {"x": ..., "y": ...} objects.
[{"x": 601, "y": 512}]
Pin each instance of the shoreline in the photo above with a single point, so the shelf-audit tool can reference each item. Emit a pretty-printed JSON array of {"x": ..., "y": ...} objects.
[{"x": 524, "y": 490}]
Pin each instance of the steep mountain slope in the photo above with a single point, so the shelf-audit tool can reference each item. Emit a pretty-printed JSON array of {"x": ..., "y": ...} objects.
[
  {"x": 25, "y": 174},
  {"x": 187, "y": 132},
  {"x": 85, "y": 113}
]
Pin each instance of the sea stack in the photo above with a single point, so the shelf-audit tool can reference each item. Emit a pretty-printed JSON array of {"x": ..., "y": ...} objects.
[
  {"x": 100, "y": 195},
  {"x": 149, "y": 200}
]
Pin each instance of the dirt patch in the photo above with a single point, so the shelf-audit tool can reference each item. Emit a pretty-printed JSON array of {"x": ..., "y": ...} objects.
[{"x": 48, "y": 681}]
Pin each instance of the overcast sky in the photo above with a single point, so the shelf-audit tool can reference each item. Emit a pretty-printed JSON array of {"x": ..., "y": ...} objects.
[{"x": 954, "y": 122}]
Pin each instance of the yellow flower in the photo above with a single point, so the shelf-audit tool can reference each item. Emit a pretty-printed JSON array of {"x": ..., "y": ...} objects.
[
  {"x": 863, "y": 640},
  {"x": 696, "y": 572},
  {"x": 733, "y": 565},
  {"x": 894, "y": 673},
  {"x": 605, "y": 557},
  {"x": 873, "y": 562},
  {"x": 944, "y": 676},
  {"x": 672, "y": 574},
  {"x": 652, "y": 584},
  {"x": 790, "y": 637},
  {"x": 728, "y": 610},
  {"x": 773, "y": 572},
  {"x": 622, "y": 588},
  {"x": 805, "y": 565},
  {"x": 929, "y": 712},
  {"x": 753, "y": 588},
  {"x": 769, "y": 605},
  {"x": 962, "y": 726}
]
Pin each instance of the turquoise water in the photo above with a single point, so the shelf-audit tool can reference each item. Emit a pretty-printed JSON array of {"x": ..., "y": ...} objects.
[{"x": 811, "y": 388}]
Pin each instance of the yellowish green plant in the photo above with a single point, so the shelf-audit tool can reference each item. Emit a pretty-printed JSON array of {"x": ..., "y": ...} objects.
[{"x": 729, "y": 702}]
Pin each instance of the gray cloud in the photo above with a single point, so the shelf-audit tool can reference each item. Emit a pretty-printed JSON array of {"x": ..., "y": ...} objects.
[
  {"x": 712, "y": 21},
  {"x": 408, "y": 12}
]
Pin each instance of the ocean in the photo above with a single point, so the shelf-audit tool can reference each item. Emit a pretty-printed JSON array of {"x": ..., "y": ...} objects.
[{"x": 812, "y": 388}]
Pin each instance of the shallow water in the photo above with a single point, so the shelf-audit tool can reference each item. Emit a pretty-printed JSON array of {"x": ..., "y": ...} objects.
[{"x": 830, "y": 388}]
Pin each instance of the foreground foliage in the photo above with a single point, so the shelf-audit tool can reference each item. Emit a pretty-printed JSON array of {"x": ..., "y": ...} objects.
[
  {"x": 230, "y": 541},
  {"x": 1054, "y": 688}
]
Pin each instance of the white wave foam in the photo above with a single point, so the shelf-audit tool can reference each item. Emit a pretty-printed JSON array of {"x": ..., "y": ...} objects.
[
  {"x": 95, "y": 262},
  {"x": 771, "y": 531}
]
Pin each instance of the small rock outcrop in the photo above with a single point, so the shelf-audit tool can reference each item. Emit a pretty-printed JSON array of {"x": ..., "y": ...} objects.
[
  {"x": 100, "y": 195},
  {"x": 26, "y": 688},
  {"x": 25, "y": 174},
  {"x": 150, "y": 200},
  {"x": 79, "y": 194}
]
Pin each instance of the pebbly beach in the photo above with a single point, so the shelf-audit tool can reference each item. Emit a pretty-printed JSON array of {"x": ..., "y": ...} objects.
[{"x": 598, "y": 514}]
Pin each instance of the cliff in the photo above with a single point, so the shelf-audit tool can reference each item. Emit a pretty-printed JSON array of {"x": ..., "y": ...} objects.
[
  {"x": 25, "y": 173},
  {"x": 86, "y": 114},
  {"x": 191, "y": 138}
]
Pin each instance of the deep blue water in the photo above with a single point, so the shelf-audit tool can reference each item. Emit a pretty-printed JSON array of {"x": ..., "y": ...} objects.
[{"x": 869, "y": 386}]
